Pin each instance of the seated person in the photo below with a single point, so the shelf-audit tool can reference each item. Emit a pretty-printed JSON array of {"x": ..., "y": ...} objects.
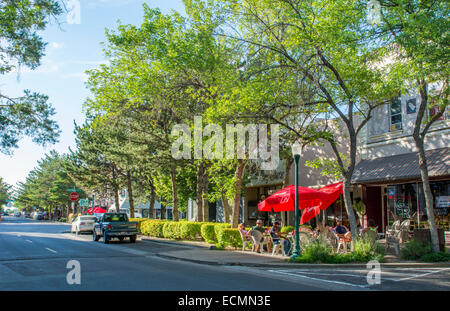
[
  {"x": 259, "y": 228},
  {"x": 341, "y": 231},
  {"x": 245, "y": 233},
  {"x": 320, "y": 228},
  {"x": 276, "y": 238},
  {"x": 371, "y": 227}
]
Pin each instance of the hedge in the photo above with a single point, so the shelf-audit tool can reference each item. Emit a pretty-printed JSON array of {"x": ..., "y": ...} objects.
[
  {"x": 153, "y": 227},
  {"x": 139, "y": 221},
  {"x": 208, "y": 232},
  {"x": 229, "y": 237}
]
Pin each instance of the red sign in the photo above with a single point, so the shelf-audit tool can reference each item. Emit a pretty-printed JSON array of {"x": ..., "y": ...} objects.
[{"x": 74, "y": 196}]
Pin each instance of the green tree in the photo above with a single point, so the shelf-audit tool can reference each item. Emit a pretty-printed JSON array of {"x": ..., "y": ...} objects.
[
  {"x": 21, "y": 45},
  {"x": 416, "y": 33}
]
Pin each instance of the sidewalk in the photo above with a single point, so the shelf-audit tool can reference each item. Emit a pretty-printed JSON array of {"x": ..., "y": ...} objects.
[{"x": 203, "y": 253}]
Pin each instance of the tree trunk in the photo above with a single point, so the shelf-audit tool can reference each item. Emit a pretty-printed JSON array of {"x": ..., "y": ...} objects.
[
  {"x": 151, "y": 207},
  {"x": 349, "y": 209},
  {"x": 174, "y": 194},
  {"x": 428, "y": 197},
  {"x": 199, "y": 216},
  {"x": 419, "y": 142},
  {"x": 130, "y": 193},
  {"x": 116, "y": 190},
  {"x": 205, "y": 202},
  {"x": 226, "y": 209},
  {"x": 237, "y": 198}
]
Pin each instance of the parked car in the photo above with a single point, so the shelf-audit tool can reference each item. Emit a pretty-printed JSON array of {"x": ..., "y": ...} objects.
[
  {"x": 45, "y": 216},
  {"x": 83, "y": 224},
  {"x": 115, "y": 225}
]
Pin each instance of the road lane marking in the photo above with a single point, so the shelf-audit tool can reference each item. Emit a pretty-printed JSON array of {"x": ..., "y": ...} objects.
[
  {"x": 316, "y": 279},
  {"x": 29, "y": 241},
  {"x": 421, "y": 275},
  {"x": 51, "y": 250}
]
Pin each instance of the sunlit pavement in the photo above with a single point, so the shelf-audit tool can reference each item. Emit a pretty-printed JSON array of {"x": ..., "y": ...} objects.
[{"x": 34, "y": 256}]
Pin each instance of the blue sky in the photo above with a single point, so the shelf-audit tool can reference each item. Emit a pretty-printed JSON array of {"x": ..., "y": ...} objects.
[{"x": 72, "y": 49}]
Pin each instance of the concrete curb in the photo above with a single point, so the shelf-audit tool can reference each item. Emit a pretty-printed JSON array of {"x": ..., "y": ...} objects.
[{"x": 304, "y": 266}]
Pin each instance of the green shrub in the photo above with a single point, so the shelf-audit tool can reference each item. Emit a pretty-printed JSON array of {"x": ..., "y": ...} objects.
[
  {"x": 62, "y": 220},
  {"x": 219, "y": 227},
  {"x": 415, "y": 249},
  {"x": 319, "y": 252},
  {"x": 435, "y": 257},
  {"x": 171, "y": 230},
  {"x": 208, "y": 232},
  {"x": 229, "y": 237},
  {"x": 139, "y": 221},
  {"x": 153, "y": 227},
  {"x": 190, "y": 230}
]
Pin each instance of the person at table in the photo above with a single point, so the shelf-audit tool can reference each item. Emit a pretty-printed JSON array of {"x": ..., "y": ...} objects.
[
  {"x": 277, "y": 236},
  {"x": 258, "y": 227},
  {"x": 371, "y": 227},
  {"x": 341, "y": 231},
  {"x": 320, "y": 228}
]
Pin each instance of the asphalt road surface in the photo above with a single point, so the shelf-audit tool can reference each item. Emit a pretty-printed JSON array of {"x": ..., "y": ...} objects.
[{"x": 34, "y": 255}]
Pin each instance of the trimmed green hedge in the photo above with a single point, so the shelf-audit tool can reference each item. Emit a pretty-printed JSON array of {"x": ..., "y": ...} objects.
[
  {"x": 208, "y": 232},
  {"x": 229, "y": 237},
  {"x": 153, "y": 227}
]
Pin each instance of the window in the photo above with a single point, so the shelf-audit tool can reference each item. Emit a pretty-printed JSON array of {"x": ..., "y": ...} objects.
[{"x": 396, "y": 115}]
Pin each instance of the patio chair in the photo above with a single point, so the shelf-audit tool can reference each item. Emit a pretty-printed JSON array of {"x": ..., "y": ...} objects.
[
  {"x": 276, "y": 247},
  {"x": 257, "y": 238},
  {"x": 397, "y": 237},
  {"x": 244, "y": 241},
  {"x": 341, "y": 243},
  {"x": 393, "y": 229}
]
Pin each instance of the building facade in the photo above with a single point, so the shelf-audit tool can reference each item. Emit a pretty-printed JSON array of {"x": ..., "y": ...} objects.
[{"x": 388, "y": 174}]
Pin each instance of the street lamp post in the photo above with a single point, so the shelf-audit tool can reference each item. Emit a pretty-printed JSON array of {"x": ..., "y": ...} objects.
[{"x": 296, "y": 151}]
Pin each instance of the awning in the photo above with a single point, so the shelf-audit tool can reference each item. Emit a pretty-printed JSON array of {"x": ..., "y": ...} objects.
[{"x": 402, "y": 167}]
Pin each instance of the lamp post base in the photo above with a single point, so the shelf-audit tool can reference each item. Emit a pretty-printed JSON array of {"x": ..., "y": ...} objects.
[{"x": 295, "y": 255}]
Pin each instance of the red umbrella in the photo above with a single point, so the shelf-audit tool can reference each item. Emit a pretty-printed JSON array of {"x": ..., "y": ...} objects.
[
  {"x": 97, "y": 210},
  {"x": 310, "y": 199}
]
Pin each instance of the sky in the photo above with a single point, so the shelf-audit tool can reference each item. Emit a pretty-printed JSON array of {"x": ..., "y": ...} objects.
[{"x": 73, "y": 47}]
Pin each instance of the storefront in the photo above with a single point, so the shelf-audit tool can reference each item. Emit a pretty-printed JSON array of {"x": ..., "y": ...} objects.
[
  {"x": 407, "y": 201},
  {"x": 392, "y": 189}
]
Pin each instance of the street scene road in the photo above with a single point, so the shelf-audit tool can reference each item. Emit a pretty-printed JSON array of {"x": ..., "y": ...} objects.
[{"x": 34, "y": 256}]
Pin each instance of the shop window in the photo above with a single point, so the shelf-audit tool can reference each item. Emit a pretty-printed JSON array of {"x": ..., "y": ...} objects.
[
  {"x": 407, "y": 201},
  {"x": 396, "y": 115},
  {"x": 402, "y": 203}
]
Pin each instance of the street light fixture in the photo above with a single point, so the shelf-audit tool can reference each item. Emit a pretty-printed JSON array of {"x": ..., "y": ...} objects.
[{"x": 296, "y": 151}]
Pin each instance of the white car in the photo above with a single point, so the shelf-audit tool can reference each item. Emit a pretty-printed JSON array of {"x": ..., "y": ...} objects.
[{"x": 83, "y": 224}]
